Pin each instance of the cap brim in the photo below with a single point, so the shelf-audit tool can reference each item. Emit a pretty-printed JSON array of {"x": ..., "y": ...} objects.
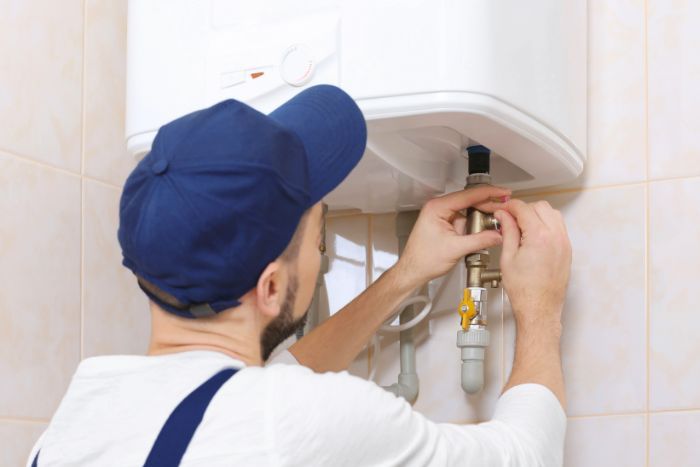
[{"x": 333, "y": 131}]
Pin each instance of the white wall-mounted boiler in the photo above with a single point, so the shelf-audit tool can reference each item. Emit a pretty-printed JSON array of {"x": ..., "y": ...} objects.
[{"x": 431, "y": 77}]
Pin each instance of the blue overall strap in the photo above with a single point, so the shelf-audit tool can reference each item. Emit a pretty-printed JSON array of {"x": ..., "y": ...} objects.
[{"x": 176, "y": 434}]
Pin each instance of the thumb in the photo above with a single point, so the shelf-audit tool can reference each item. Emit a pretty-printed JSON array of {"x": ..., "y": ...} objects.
[
  {"x": 467, "y": 244},
  {"x": 511, "y": 234}
]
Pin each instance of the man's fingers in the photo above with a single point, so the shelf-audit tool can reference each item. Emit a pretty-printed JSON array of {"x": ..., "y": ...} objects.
[
  {"x": 446, "y": 205},
  {"x": 467, "y": 244},
  {"x": 551, "y": 217},
  {"x": 523, "y": 213},
  {"x": 510, "y": 233},
  {"x": 489, "y": 206},
  {"x": 459, "y": 223}
]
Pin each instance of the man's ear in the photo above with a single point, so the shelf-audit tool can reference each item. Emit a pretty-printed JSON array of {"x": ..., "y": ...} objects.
[{"x": 270, "y": 289}]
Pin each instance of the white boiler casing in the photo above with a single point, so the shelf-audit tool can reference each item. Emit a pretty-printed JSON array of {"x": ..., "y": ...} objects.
[{"x": 431, "y": 77}]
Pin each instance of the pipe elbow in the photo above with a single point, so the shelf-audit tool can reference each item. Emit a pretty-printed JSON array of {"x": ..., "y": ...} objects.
[{"x": 408, "y": 387}]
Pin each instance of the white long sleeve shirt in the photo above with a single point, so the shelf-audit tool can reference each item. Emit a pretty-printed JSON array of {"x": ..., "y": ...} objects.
[{"x": 284, "y": 415}]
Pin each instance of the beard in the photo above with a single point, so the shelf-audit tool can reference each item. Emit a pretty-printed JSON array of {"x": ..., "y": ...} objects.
[{"x": 284, "y": 325}]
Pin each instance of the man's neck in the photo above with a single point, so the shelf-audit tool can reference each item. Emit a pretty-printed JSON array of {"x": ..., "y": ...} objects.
[{"x": 233, "y": 334}]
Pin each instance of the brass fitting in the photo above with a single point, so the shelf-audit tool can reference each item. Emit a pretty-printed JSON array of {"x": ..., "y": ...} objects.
[
  {"x": 479, "y": 276},
  {"x": 478, "y": 221},
  {"x": 473, "y": 337},
  {"x": 477, "y": 263}
]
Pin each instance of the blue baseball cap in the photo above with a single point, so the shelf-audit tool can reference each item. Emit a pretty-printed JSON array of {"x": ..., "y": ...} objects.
[{"x": 223, "y": 189}]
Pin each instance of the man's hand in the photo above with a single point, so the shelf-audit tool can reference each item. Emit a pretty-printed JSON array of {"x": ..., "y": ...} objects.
[
  {"x": 536, "y": 263},
  {"x": 536, "y": 260},
  {"x": 437, "y": 241}
]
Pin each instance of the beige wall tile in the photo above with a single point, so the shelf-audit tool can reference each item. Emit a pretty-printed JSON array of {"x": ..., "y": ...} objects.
[
  {"x": 673, "y": 439},
  {"x": 674, "y": 273},
  {"x": 17, "y": 440},
  {"x": 385, "y": 245},
  {"x": 674, "y": 96},
  {"x": 606, "y": 441},
  {"x": 106, "y": 157},
  {"x": 604, "y": 340},
  {"x": 616, "y": 93},
  {"x": 616, "y": 96},
  {"x": 40, "y": 277},
  {"x": 40, "y": 80},
  {"x": 116, "y": 315},
  {"x": 346, "y": 241}
]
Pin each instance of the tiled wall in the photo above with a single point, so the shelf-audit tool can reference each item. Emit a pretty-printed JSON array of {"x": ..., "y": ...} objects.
[
  {"x": 63, "y": 292},
  {"x": 630, "y": 343}
]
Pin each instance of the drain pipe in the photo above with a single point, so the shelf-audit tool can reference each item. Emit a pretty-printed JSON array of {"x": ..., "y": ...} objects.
[{"x": 408, "y": 384}]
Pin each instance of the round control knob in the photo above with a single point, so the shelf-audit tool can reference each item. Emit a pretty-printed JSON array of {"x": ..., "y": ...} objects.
[{"x": 297, "y": 65}]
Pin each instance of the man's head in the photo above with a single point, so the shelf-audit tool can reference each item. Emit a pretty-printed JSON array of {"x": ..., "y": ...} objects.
[
  {"x": 224, "y": 213},
  {"x": 280, "y": 299}
]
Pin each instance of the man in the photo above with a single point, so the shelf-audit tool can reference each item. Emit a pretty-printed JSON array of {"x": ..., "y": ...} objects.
[{"x": 221, "y": 224}]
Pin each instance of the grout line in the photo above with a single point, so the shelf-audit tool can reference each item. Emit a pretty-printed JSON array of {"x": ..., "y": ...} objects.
[
  {"x": 676, "y": 178},
  {"x": 646, "y": 92},
  {"x": 647, "y": 311},
  {"x": 555, "y": 191},
  {"x": 561, "y": 191},
  {"x": 599, "y": 416},
  {"x": 45, "y": 166},
  {"x": 647, "y": 232},
  {"x": 101, "y": 182},
  {"x": 83, "y": 104},
  {"x": 27, "y": 420},
  {"x": 82, "y": 269},
  {"x": 82, "y": 184},
  {"x": 606, "y": 415},
  {"x": 39, "y": 164},
  {"x": 645, "y": 413},
  {"x": 669, "y": 411},
  {"x": 647, "y": 437}
]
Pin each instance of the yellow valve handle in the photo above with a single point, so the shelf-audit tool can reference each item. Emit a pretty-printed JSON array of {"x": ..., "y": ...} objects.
[{"x": 467, "y": 309}]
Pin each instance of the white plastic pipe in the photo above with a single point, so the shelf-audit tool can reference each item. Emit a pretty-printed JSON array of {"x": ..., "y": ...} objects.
[
  {"x": 472, "y": 344},
  {"x": 473, "y": 369},
  {"x": 408, "y": 324},
  {"x": 408, "y": 384}
]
